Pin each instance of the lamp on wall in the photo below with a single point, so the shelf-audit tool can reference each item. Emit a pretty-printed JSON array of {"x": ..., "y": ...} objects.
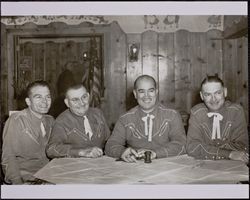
[
  {"x": 133, "y": 51},
  {"x": 85, "y": 55}
]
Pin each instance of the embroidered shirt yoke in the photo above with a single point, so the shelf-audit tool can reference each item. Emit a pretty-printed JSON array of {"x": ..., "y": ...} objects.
[{"x": 161, "y": 131}]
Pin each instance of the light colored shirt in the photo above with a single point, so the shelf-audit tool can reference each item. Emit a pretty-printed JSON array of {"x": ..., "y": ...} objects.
[
  {"x": 163, "y": 133},
  {"x": 201, "y": 143},
  {"x": 69, "y": 134},
  {"x": 24, "y": 145}
]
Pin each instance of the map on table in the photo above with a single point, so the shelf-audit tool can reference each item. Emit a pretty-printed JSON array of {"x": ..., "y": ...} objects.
[{"x": 174, "y": 170}]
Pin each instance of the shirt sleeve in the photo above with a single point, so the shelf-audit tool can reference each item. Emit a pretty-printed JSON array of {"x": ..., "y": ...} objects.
[
  {"x": 177, "y": 139},
  {"x": 115, "y": 145},
  {"x": 238, "y": 132},
  {"x": 57, "y": 145},
  {"x": 10, "y": 165}
]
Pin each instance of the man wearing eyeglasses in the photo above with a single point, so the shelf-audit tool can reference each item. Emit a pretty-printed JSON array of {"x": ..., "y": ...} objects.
[
  {"x": 79, "y": 131},
  {"x": 25, "y": 136},
  {"x": 217, "y": 128}
]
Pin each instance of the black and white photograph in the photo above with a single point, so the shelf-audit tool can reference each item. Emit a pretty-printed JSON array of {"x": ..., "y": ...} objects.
[{"x": 124, "y": 100}]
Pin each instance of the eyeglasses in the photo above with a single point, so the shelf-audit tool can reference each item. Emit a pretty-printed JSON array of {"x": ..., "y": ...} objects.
[{"x": 83, "y": 98}]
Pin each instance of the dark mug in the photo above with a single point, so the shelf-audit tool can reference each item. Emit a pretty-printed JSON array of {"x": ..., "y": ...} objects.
[{"x": 147, "y": 158}]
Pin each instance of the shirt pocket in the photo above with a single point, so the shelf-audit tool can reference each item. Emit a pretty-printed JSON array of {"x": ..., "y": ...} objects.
[
  {"x": 227, "y": 129},
  {"x": 75, "y": 134},
  {"x": 164, "y": 129},
  {"x": 133, "y": 131}
]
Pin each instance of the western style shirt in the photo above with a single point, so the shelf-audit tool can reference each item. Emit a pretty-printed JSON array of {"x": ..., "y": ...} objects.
[
  {"x": 161, "y": 131},
  {"x": 69, "y": 134},
  {"x": 24, "y": 145},
  {"x": 203, "y": 143}
]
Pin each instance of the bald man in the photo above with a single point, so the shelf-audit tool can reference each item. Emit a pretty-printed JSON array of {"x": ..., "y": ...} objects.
[{"x": 147, "y": 127}]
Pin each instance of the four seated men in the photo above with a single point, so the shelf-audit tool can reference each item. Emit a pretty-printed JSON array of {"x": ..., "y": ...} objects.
[{"x": 217, "y": 129}]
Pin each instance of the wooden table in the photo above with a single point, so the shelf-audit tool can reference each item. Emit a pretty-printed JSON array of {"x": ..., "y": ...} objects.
[{"x": 175, "y": 170}]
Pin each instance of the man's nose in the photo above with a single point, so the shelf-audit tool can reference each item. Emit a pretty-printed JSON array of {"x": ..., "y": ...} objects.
[
  {"x": 213, "y": 97},
  {"x": 146, "y": 94},
  {"x": 44, "y": 100}
]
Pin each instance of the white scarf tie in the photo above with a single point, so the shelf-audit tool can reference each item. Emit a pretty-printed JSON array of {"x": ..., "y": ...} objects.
[
  {"x": 43, "y": 129},
  {"x": 148, "y": 127},
  {"x": 216, "y": 124},
  {"x": 88, "y": 130}
]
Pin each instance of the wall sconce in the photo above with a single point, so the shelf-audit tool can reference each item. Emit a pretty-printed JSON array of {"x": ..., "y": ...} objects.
[
  {"x": 133, "y": 52},
  {"x": 85, "y": 56}
]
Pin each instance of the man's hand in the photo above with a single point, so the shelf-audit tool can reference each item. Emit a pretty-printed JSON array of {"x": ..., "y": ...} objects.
[
  {"x": 129, "y": 155},
  {"x": 93, "y": 152},
  {"x": 239, "y": 155},
  {"x": 142, "y": 151}
]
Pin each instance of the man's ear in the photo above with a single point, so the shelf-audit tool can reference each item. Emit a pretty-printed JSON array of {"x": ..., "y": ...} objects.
[
  {"x": 225, "y": 92},
  {"x": 201, "y": 96},
  {"x": 156, "y": 91},
  {"x": 134, "y": 92},
  {"x": 66, "y": 101},
  {"x": 27, "y": 101}
]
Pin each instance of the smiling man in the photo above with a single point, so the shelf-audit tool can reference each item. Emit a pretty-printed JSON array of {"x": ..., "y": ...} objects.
[
  {"x": 25, "y": 136},
  {"x": 79, "y": 131},
  {"x": 147, "y": 127},
  {"x": 217, "y": 127}
]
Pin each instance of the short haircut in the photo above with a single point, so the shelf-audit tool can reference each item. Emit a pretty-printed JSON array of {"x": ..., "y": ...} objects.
[
  {"x": 34, "y": 84},
  {"x": 74, "y": 86},
  {"x": 212, "y": 79},
  {"x": 145, "y": 76}
]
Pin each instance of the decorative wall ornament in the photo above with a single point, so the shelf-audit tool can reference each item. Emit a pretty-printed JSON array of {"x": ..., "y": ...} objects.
[
  {"x": 214, "y": 21},
  {"x": 130, "y": 23}
]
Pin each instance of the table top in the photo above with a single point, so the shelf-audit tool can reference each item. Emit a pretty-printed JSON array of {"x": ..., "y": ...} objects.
[{"x": 173, "y": 170}]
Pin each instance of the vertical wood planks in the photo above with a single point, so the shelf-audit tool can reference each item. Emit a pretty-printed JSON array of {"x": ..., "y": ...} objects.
[
  {"x": 244, "y": 75},
  {"x": 134, "y": 69},
  {"x": 214, "y": 52},
  {"x": 51, "y": 52},
  {"x": 38, "y": 54},
  {"x": 150, "y": 54},
  {"x": 166, "y": 69},
  {"x": 116, "y": 87},
  {"x": 182, "y": 69}
]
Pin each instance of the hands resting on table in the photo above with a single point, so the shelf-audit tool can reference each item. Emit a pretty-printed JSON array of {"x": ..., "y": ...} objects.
[
  {"x": 131, "y": 155},
  {"x": 92, "y": 152}
]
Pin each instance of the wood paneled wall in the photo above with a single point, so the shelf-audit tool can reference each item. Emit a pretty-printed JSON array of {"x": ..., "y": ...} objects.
[
  {"x": 235, "y": 71},
  {"x": 179, "y": 61}
]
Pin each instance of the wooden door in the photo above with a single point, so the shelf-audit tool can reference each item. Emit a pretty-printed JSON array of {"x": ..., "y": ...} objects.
[{"x": 58, "y": 60}]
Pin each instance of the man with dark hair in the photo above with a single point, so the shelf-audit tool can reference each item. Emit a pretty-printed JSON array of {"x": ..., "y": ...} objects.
[
  {"x": 25, "y": 136},
  {"x": 217, "y": 127},
  {"x": 79, "y": 131},
  {"x": 147, "y": 127}
]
